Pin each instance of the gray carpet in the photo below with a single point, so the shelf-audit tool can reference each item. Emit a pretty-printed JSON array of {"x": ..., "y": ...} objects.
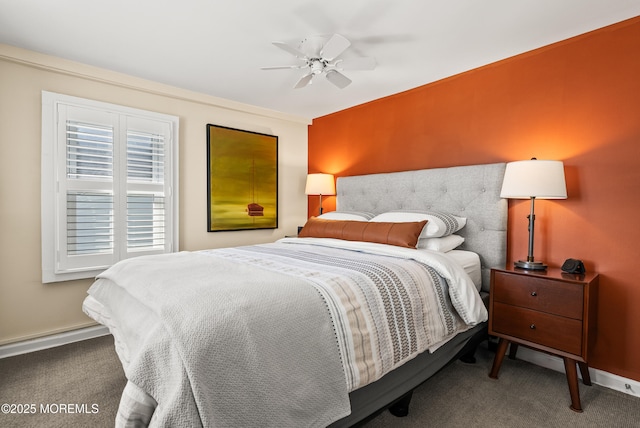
[
  {"x": 88, "y": 376},
  {"x": 525, "y": 395},
  {"x": 84, "y": 373}
]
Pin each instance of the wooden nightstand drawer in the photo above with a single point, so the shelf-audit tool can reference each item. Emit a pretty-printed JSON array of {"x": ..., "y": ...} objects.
[
  {"x": 563, "y": 334},
  {"x": 539, "y": 293}
]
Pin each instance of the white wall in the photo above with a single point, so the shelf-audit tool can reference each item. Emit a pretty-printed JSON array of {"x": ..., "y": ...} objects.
[{"x": 30, "y": 309}]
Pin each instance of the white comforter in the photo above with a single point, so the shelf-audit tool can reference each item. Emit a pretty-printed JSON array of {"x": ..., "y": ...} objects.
[{"x": 283, "y": 346}]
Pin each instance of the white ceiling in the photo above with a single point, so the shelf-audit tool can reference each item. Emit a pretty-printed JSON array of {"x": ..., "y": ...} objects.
[{"x": 217, "y": 47}]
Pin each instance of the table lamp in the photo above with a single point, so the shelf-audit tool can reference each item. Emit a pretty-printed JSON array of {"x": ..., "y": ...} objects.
[
  {"x": 533, "y": 179},
  {"x": 320, "y": 184}
]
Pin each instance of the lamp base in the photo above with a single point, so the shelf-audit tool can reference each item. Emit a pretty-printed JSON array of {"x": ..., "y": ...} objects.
[{"x": 530, "y": 265}]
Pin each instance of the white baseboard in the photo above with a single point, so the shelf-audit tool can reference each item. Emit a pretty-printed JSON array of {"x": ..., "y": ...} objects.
[
  {"x": 52, "y": 341},
  {"x": 598, "y": 377}
]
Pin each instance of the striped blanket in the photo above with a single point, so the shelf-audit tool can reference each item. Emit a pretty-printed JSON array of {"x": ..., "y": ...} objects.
[{"x": 388, "y": 304}]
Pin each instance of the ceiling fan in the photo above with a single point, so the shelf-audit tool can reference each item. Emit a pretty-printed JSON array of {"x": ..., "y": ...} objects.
[{"x": 320, "y": 56}]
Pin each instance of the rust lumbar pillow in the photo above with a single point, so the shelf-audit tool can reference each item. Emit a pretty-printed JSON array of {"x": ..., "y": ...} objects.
[{"x": 403, "y": 234}]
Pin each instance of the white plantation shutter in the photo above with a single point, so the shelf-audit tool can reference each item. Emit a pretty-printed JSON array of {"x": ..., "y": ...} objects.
[
  {"x": 145, "y": 186},
  {"x": 107, "y": 185},
  {"x": 89, "y": 154},
  {"x": 89, "y": 223},
  {"x": 89, "y": 150},
  {"x": 145, "y": 222},
  {"x": 145, "y": 157}
]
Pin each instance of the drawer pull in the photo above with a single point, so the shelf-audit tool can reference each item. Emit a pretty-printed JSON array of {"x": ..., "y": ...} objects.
[
  {"x": 532, "y": 326},
  {"x": 534, "y": 294}
]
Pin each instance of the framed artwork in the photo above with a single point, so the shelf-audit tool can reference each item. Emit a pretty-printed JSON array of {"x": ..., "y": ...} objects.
[{"x": 242, "y": 179}]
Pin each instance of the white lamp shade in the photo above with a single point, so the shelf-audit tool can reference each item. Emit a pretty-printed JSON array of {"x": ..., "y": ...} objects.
[
  {"x": 542, "y": 179},
  {"x": 320, "y": 184}
]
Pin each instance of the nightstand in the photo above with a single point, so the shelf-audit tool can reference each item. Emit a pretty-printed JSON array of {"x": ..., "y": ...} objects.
[{"x": 551, "y": 311}]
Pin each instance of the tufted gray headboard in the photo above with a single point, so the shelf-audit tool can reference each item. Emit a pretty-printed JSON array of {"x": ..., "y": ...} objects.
[{"x": 466, "y": 191}]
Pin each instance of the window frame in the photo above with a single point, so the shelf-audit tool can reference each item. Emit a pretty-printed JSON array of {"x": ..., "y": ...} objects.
[{"x": 54, "y": 184}]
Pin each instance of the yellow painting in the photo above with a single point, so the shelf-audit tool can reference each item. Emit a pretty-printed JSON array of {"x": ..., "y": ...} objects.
[{"x": 242, "y": 179}]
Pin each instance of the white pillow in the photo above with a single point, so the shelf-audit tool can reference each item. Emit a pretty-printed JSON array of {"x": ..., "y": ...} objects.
[
  {"x": 444, "y": 244},
  {"x": 347, "y": 215},
  {"x": 439, "y": 224}
]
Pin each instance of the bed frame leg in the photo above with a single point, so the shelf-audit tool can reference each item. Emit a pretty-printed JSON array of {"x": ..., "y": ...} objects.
[
  {"x": 401, "y": 407},
  {"x": 469, "y": 357},
  {"x": 469, "y": 351}
]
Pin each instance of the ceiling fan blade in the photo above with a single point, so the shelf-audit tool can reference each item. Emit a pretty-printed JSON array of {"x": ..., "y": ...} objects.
[
  {"x": 338, "y": 79},
  {"x": 293, "y": 51},
  {"x": 365, "y": 63},
  {"x": 281, "y": 67},
  {"x": 334, "y": 47},
  {"x": 304, "y": 81}
]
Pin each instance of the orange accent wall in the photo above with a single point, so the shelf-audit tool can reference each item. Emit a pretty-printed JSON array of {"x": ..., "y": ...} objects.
[{"x": 577, "y": 101}]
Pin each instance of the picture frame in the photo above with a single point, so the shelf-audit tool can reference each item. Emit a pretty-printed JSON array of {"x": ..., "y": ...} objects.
[{"x": 242, "y": 179}]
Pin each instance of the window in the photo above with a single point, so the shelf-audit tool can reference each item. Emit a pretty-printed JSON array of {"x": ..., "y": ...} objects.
[{"x": 109, "y": 181}]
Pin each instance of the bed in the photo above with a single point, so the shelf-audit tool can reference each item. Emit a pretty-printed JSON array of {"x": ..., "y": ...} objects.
[{"x": 283, "y": 346}]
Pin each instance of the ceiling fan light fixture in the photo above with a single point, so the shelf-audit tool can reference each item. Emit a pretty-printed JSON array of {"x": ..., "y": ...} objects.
[
  {"x": 317, "y": 65},
  {"x": 324, "y": 60}
]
